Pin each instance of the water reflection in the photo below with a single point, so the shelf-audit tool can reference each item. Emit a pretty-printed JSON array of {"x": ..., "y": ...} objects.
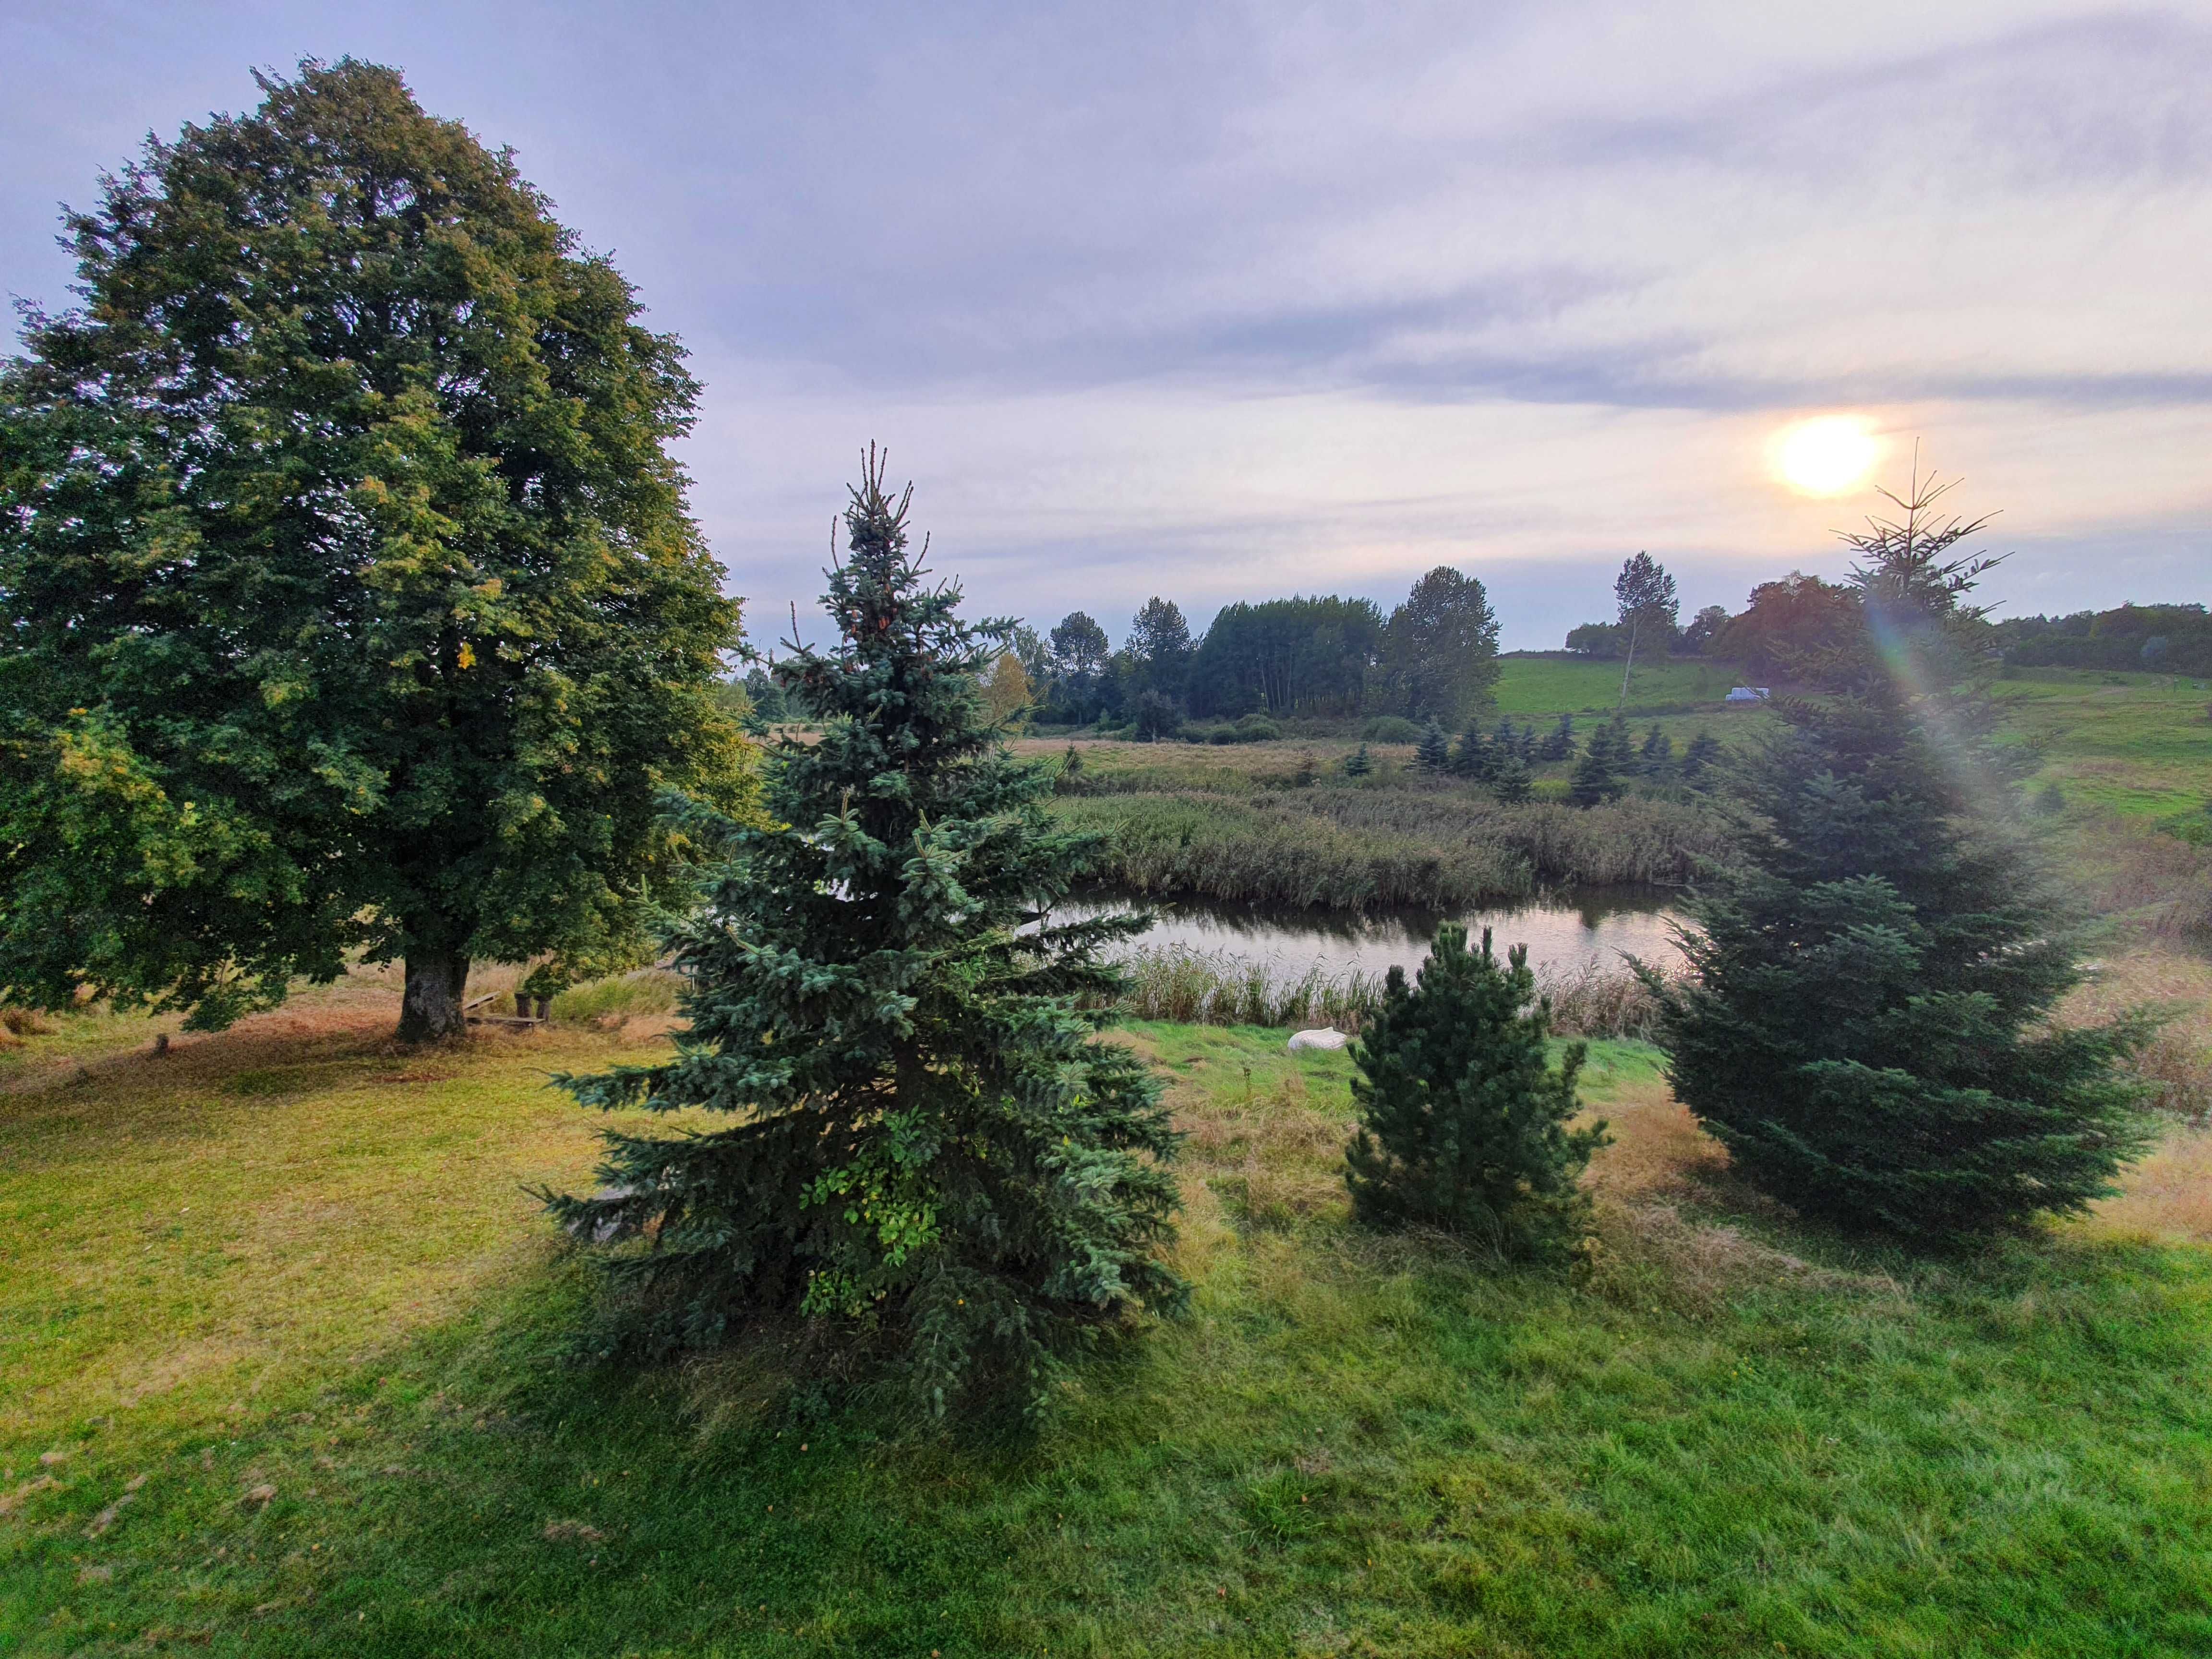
[{"x": 1563, "y": 934}]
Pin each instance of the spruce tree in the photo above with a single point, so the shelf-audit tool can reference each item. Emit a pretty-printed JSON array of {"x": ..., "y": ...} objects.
[
  {"x": 1511, "y": 781},
  {"x": 1867, "y": 1022},
  {"x": 1558, "y": 743},
  {"x": 1657, "y": 754},
  {"x": 1472, "y": 756},
  {"x": 1463, "y": 1117},
  {"x": 1596, "y": 777},
  {"x": 1357, "y": 764},
  {"x": 1698, "y": 757},
  {"x": 1432, "y": 754},
  {"x": 932, "y": 1159}
]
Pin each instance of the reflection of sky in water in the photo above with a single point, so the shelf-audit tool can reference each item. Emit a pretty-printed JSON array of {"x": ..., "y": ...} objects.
[{"x": 1560, "y": 936}]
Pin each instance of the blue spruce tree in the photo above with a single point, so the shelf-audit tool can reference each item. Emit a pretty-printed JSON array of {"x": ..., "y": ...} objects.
[{"x": 933, "y": 1165}]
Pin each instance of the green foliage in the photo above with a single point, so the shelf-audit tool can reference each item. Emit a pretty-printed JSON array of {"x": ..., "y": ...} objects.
[
  {"x": 1867, "y": 1026},
  {"x": 1705, "y": 749},
  {"x": 1441, "y": 646},
  {"x": 1357, "y": 846},
  {"x": 1510, "y": 781},
  {"x": 1463, "y": 1117},
  {"x": 1558, "y": 743},
  {"x": 1157, "y": 717},
  {"x": 1295, "y": 656},
  {"x": 1597, "y": 774},
  {"x": 350, "y": 602},
  {"x": 1787, "y": 624},
  {"x": 1159, "y": 650},
  {"x": 1433, "y": 756},
  {"x": 938, "y": 1164},
  {"x": 1357, "y": 764}
]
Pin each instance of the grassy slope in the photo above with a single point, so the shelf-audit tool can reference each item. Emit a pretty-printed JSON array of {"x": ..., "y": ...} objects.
[
  {"x": 2137, "y": 744},
  {"x": 1724, "y": 1439}
]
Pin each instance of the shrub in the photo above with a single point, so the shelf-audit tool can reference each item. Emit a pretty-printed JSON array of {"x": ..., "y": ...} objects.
[
  {"x": 1390, "y": 728},
  {"x": 1463, "y": 1117}
]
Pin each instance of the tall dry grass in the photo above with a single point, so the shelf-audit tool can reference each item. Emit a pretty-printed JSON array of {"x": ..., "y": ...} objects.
[
  {"x": 1189, "y": 986},
  {"x": 1353, "y": 849}
]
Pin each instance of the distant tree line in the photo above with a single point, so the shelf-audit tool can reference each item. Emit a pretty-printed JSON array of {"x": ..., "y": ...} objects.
[
  {"x": 1433, "y": 657},
  {"x": 2173, "y": 639}
]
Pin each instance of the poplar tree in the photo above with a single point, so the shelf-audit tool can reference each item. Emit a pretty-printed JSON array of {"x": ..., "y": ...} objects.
[
  {"x": 348, "y": 597},
  {"x": 1867, "y": 1024},
  {"x": 927, "y": 1158}
]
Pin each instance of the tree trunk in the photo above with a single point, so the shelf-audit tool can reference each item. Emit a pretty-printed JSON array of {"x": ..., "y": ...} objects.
[
  {"x": 1632, "y": 663},
  {"x": 430, "y": 1009}
]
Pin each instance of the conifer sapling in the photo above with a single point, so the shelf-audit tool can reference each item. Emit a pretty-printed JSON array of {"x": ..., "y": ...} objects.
[{"x": 1463, "y": 1116}]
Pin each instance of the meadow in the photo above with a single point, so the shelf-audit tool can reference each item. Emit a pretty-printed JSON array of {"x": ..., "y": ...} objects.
[{"x": 1279, "y": 822}]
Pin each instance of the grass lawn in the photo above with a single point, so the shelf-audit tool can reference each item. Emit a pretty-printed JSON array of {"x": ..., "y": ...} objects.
[
  {"x": 280, "y": 1373},
  {"x": 1550, "y": 683}
]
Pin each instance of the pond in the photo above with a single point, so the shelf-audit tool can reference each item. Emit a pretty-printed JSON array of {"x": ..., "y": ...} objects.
[{"x": 1563, "y": 934}]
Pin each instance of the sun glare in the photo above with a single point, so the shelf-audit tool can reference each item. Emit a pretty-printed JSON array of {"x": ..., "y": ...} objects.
[{"x": 1827, "y": 456}]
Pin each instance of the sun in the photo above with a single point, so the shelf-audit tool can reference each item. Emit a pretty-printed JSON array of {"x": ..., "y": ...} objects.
[{"x": 1827, "y": 456}]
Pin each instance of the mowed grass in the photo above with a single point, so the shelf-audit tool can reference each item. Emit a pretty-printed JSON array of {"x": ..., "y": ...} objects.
[
  {"x": 283, "y": 1374},
  {"x": 1532, "y": 684}
]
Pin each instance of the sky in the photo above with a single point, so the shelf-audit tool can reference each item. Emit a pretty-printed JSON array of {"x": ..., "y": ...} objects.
[{"x": 1231, "y": 301}]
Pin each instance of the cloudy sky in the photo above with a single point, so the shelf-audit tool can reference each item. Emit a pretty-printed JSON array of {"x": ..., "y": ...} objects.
[{"x": 1228, "y": 300}]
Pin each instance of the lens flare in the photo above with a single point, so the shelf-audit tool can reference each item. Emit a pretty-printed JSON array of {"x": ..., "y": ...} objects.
[{"x": 1829, "y": 456}]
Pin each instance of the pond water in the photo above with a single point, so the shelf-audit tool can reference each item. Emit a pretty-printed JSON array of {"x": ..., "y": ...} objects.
[{"x": 1563, "y": 934}]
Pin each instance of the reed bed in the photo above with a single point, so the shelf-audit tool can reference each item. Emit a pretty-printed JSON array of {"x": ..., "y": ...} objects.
[
  {"x": 1366, "y": 849},
  {"x": 1186, "y": 986}
]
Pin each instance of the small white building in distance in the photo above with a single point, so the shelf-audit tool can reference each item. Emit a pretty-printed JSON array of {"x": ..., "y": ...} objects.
[{"x": 1747, "y": 694}]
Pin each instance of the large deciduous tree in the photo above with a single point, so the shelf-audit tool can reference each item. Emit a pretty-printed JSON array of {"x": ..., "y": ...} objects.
[
  {"x": 1868, "y": 1022},
  {"x": 1443, "y": 645},
  {"x": 1159, "y": 649},
  {"x": 929, "y": 1159},
  {"x": 350, "y": 600}
]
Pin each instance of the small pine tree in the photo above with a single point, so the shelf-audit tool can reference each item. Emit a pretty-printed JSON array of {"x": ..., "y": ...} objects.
[
  {"x": 1558, "y": 743},
  {"x": 1597, "y": 776},
  {"x": 931, "y": 1160},
  {"x": 1658, "y": 753},
  {"x": 1357, "y": 764},
  {"x": 1867, "y": 1027},
  {"x": 1464, "y": 1118},
  {"x": 1432, "y": 754},
  {"x": 1511, "y": 781},
  {"x": 1526, "y": 745},
  {"x": 1698, "y": 759},
  {"x": 1474, "y": 757}
]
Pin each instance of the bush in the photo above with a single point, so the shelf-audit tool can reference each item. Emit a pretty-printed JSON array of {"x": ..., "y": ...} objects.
[
  {"x": 1464, "y": 1118},
  {"x": 1258, "y": 728},
  {"x": 1390, "y": 728}
]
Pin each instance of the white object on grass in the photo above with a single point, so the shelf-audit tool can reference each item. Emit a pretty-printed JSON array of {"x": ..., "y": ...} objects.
[{"x": 1324, "y": 1038}]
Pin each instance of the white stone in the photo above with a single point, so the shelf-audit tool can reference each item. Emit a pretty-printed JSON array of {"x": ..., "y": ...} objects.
[{"x": 1324, "y": 1038}]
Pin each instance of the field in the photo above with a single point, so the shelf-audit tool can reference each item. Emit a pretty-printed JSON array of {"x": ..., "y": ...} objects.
[
  {"x": 284, "y": 1375},
  {"x": 2134, "y": 745}
]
